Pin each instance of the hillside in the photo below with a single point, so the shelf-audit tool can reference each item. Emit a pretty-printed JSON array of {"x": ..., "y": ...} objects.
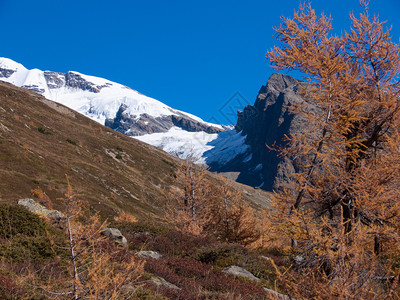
[{"x": 41, "y": 141}]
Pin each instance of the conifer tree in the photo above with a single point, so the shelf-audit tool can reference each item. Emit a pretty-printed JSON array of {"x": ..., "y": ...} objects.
[
  {"x": 343, "y": 203},
  {"x": 98, "y": 269}
]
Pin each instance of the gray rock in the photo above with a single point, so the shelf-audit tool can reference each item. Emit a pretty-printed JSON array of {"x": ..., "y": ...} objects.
[
  {"x": 39, "y": 209},
  {"x": 5, "y": 73},
  {"x": 299, "y": 259},
  {"x": 56, "y": 217},
  {"x": 277, "y": 295},
  {"x": 55, "y": 80},
  {"x": 159, "y": 281},
  {"x": 149, "y": 254},
  {"x": 241, "y": 272},
  {"x": 115, "y": 235},
  {"x": 267, "y": 122},
  {"x": 133, "y": 126},
  {"x": 75, "y": 80},
  {"x": 34, "y": 87}
]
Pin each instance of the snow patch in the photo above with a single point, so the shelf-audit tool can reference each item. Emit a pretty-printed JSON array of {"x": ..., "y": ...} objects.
[
  {"x": 181, "y": 143},
  {"x": 226, "y": 147}
]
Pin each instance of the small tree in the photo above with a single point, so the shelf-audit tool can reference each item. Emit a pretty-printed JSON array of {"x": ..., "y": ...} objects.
[
  {"x": 230, "y": 218},
  {"x": 98, "y": 268},
  {"x": 200, "y": 205},
  {"x": 188, "y": 200}
]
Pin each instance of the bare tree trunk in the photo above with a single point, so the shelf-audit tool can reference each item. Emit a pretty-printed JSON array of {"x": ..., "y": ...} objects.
[
  {"x": 73, "y": 259},
  {"x": 226, "y": 215},
  {"x": 193, "y": 198}
]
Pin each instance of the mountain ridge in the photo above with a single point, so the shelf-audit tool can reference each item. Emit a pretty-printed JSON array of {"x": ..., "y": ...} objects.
[{"x": 102, "y": 100}]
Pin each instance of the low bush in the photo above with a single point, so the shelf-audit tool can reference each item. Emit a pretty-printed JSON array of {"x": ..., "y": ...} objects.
[
  {"x": 140, "y": 227},
  {"x": 72, "y": 142},
  {"x": 43, "y": 131},
  {"x": 9, "y": 289},
  {"x": 24, "y": 248},
  {"x": 24, "y": 236},
  {"x": 147, "y": 294},
  {"x": 198, "y": 280},
  {"x": 170, "y": 242},
  {"x": 225, "y": 255},
  {"x": 179, "y": 243},
  {"x": 18, "y": 220},
  {"x": 221, "y": 255}
]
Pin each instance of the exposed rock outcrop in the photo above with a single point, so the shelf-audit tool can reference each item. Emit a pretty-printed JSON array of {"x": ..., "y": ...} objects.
[
  {"x": 56, "y": 217},
  {"x": 161, "y": 282},
  {"x": 277, "y": 295},
  {"x": 266, "y": 123},
  {"x": 149, "y": 254},
  {"x": 6, "y": 72},
  {"x": 136, "y": 126},
  {"x": 115, "y": 235},
  {"x": 241, "y": 272}
]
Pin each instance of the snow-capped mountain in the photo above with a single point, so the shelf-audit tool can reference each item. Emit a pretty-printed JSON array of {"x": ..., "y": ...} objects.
[
  {"x": 102, "y": 100},
  {"x": 239, "y": 152},
  {"x": 121, "y": 108}
]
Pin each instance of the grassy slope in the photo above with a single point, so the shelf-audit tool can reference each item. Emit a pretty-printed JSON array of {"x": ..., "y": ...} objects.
[{"x": 41, "y": 141}]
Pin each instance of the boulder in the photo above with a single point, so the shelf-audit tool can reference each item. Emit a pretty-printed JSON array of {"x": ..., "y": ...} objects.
[
  {"x": 115, "y": 235},
  {"x": 161, "y": 282},
  {"x": 56, "y": 217},
  {"x": 149, "y": 254},
  {"x": 241, "y": 272},
  {"x": 277, "y": 295}
]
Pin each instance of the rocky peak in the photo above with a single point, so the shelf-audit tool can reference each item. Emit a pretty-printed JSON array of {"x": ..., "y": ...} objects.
[
  {"x": 5, "y": 73},
  {"x": 55, "y": 80},
  {"x": 266, "y": 123},
  {"x": 74, "y": 80}
]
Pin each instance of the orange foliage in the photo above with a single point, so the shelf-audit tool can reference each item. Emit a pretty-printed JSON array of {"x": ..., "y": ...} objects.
[
  {"x": 198, "y": 206},
  {"x": 126, "y": 217},
  {"x": 42, "y": 198},
  {"x": 342, "y": 206},
  {"x": 98, "y": 268}
]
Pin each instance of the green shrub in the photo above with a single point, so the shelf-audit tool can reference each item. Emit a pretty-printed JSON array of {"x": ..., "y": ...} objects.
[
  {"x": 24, "y": 248},
  {"x": 140, "y": 227},
  {"x": 71, "y": 142},
  {"x": 18, "y": 220},
  {"x": 118, "y": 156},
  {"x": 24, "y": 235},
  {"x": 225, "y": 255},
  {"x": 146, "y": 294},
  {"x": 43, "y": 131},
  {"x": 221, "y": 255}
]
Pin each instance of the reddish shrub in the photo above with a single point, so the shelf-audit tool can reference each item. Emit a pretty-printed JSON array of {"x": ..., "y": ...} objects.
[
  {"x": 191, "y": 275},
  {"x": 9, "y": 289},
  {"x": 179, "y": 243}
]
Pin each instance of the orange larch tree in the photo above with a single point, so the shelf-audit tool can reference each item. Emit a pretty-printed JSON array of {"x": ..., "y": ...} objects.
[{"x": 344, "y": 197}]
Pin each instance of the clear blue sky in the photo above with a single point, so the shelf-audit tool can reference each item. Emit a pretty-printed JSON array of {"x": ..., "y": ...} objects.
[{"x": 192, "y": 55}]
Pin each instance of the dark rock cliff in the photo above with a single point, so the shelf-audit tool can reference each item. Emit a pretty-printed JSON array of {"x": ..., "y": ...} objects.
[
  {"x": 133, "y": 126},
  {"x": 266, "y": 123}
]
